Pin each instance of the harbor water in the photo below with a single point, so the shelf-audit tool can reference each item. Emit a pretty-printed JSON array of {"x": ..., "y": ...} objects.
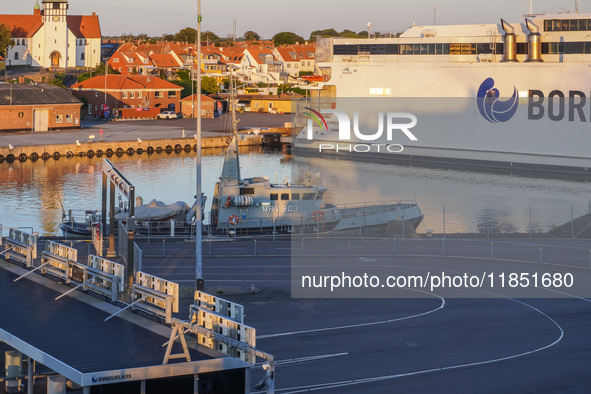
[{"x": 454, "y": 201}]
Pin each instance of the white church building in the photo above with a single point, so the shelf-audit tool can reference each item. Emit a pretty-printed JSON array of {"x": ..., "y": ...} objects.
[{"x": 52, "y": 38}]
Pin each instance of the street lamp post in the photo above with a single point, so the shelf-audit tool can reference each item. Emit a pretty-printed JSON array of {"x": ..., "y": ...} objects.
[{"x": 200, "y": 282}]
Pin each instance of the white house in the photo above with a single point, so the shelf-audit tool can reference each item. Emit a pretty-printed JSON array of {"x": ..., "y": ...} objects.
[{"x": 52, "y": 38}]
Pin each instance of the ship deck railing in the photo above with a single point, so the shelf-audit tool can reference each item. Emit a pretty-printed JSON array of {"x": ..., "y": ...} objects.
[{"x": 352, "y": 210}]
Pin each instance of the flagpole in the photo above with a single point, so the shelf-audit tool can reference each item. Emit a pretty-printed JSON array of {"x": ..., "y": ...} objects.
[{"x": 200, "y": 282}]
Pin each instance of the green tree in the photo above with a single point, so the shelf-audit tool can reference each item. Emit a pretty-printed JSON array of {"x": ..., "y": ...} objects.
[
  {"x": 84, "y": 103},
  {"x": 99, "y": 70},
  {"x": 188, "y": 34},
  {"x": 168, "y": 37},
  {"x": 286, "y": 38},
  {"x": 209, "y": 85},
  {"x": 323, "y": 33},
  {"x": 209, "y": 36},
  {"x": 348, "y": 33},
  {"x": 287, "y": 88},
  {"x": 251, "y": 36},
  {"x": 5, "y": 39}
]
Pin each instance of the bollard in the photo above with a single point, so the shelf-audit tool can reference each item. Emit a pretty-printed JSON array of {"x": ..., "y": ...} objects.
[
  {"x": 302, "y": 246},
  {"x": 443, "y": 247},
  {"x": 395, "y": 246},
  {"x": 56, "y": 384},
  {"x": 163, "y": 247},
  {"x": 13, "y": 363},
  {"x": 255, "y": 246},
  {"x": 491, "y": 250},
  {"x": 540, "y": 254},
  {"x": 349, "y": 246},
  {"x": 210, "y": 247}
]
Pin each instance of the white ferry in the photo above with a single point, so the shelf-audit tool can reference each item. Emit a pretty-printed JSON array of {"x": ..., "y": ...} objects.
[{"x": 512, "y": 95}]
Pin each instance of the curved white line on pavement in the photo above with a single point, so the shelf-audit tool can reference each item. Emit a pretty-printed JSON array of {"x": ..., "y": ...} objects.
[
  {"x": 324, "y": 386},
  {"x": 283, "y": 334}
]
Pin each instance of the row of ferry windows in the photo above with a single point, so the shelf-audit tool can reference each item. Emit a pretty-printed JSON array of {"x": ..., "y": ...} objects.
[
  {"x": 567, "y": 24},
  {"x": 294, "y": 196},
  {"x": 416, "y": 49},
  {"x": 458, "y": 49}
]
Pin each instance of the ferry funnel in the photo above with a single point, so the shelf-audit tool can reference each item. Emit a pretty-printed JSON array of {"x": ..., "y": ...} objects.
[
  {"x": 510, "y": 45},
  {"x": 535, "y": 42}
]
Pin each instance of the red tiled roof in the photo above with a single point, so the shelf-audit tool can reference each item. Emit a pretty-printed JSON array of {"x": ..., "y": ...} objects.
[
  {"x": 203, "y": 98},
  {"x": 122, "y": 82},
  {"x": 164, "y": 60},
  {"x": 22, "y": 26},
  {"x": 84, "y": 26}
]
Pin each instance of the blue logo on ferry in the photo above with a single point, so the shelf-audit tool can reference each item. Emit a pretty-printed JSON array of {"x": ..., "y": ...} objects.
[{"x": 489, "y": 105}]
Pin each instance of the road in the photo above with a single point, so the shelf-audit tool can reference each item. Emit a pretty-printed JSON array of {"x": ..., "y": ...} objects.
[
  {"x": 434, "y": 343},
  {"x": 144, "y": 129}
]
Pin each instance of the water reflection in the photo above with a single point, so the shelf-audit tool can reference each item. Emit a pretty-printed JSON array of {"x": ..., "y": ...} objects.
[{"x": 32, "y": 194}]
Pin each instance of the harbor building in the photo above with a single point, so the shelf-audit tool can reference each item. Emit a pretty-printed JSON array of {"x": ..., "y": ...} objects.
[
  {"x": 37, "y": 107},
  {"x": 134, "y": 96},
  {"x": 51, "y": 38}
]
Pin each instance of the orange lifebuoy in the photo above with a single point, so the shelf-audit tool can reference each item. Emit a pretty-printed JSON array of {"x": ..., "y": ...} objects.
[
  {"x": 233, "y": 220},
  {"x": 228, "y": 202},
  {"x": 317, "y": 215}
]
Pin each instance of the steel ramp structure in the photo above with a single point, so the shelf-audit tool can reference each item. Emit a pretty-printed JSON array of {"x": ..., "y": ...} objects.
[{"x": 70, "y": 337}]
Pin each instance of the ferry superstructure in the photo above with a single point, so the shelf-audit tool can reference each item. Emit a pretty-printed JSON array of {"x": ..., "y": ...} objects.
[{"x": 512, "y": 94}]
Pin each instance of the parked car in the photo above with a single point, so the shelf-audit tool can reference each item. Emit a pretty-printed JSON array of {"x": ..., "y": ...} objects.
[{"x": 167, "y": 115}]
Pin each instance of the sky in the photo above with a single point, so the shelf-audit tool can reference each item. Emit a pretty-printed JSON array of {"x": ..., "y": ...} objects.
[{"x": 268, "y": 17}]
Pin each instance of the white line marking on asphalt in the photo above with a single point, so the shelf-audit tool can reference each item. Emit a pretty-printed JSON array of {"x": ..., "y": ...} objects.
[
  {"x": 305, "y": 359},
  {"x": 283, "y": 334},
  {"x": 323, "y": 386}
]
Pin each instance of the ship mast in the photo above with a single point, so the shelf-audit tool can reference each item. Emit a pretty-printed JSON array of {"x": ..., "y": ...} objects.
[{"x": 231, "y": 169}]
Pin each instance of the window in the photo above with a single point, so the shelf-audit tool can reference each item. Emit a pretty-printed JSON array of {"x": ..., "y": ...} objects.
[
  {"x": 95, "y": 94},
  {"x": 172, "y": 93},
  {"x": 21, "y": 114},
  {"x": 308, "y": 196},
  {"x": 89, "y": 109},
  {"x": 56, "y": 6},
  {"x": 131, "y": 95},
  {"x": 139, "y": 95},
  {"x": 158, "y": 95},
  {"x": 116, "y": 60},
  {"x": 59, "y": 118},
  {"x": 69, "y": 118},
  {"x": 295, "y": 196},
  {"x": 285, "y": 196},
  {"x": 319, "y": 196},
  {"x": 274, "y": 197},
  {"x": 124, "y": 95},
  {"x": 82, "y": 56}
]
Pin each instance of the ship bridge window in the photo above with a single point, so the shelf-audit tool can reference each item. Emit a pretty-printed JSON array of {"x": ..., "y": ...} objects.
[
  {"x": 552, "y": 48},
  {"x": 295, "y": 196},
  {"x": 247, "y": 190},
  {"x": 274, "y": 197},
  {"x": 567, "y": 24},
  {"x": 574, "y": 47},
  {"x": 522, "y": 48},
  {"x": 468, "y": 49},
  {"x": 308, "y": 196},
  {"x": 319, "y": 196},
  {"x": 285, "y": 196},
  {"x": 391, "y": 49},
  {"x": 345, "y": 49}
]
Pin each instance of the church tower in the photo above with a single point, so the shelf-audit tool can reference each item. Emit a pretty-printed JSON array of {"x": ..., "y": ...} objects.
[
  {"x": 54, "y": 10},
  {"x": 55, "y": 26}
]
